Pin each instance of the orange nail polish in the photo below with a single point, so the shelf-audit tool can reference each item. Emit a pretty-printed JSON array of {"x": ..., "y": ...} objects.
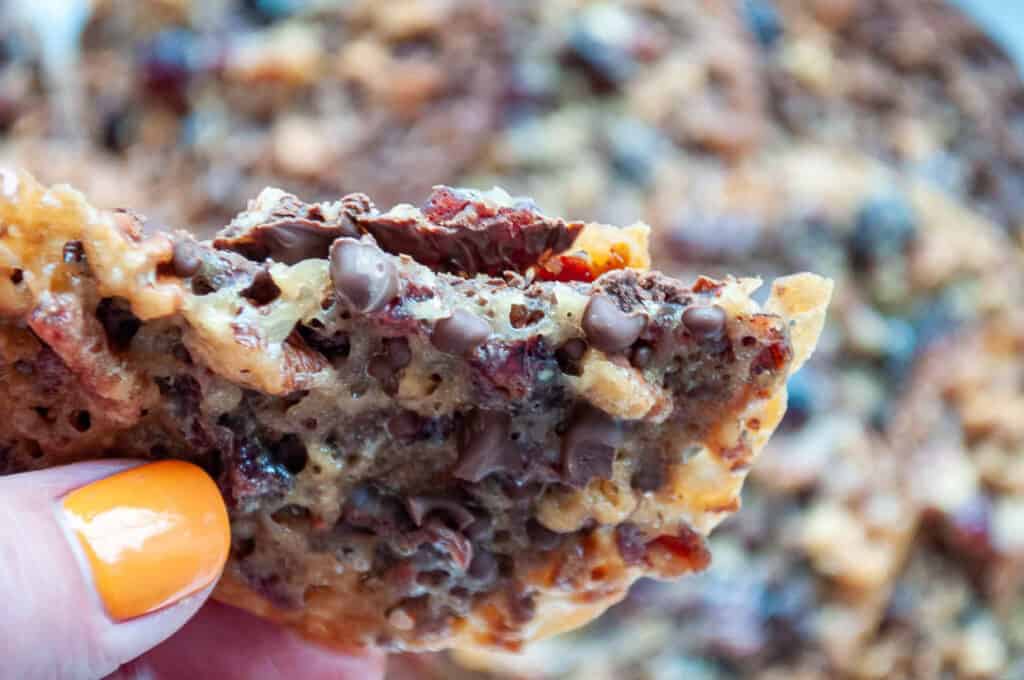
[{"x": 152, "y": 535}]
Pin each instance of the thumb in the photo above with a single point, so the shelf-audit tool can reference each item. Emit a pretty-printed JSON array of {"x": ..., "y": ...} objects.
[{"x": 101, "y": 561}]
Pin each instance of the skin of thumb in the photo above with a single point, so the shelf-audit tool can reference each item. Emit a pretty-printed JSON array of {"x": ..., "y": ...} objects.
[{"x": 57, "y": 622}]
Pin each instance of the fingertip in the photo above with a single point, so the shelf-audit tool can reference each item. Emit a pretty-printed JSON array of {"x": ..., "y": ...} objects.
[
  {"x": 229, "y": 644},
  {"x": 55, "y": 588},
  {"x": 151, "y": 535}
]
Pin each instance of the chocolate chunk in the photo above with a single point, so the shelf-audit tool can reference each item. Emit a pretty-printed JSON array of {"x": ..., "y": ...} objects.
[
  {"x": 186, "y": 260},
  {"x": 263, "y": 290},
  {"x": 460, "y": 333},
  {"x": 420, "y": 507},
  {"x": 706, "y": 323},
  {"x": 364, "y": 277},
  {"x": 466, "y": 232},
  {"x": 631, "y": 542},
  {"x": 294, "y": 241},
  {"x": 588, "y": 447},
  {"x": 285, "y": 229},
  {"x": 610, "y": 329},
  {"x": 119, "y": 324},
  {"x": 252, "y": 477},
  {"x": 484, "y": 445}
]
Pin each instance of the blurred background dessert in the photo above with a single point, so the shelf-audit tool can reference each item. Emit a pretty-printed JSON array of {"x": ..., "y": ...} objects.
[{"x": 879, "y": 142}]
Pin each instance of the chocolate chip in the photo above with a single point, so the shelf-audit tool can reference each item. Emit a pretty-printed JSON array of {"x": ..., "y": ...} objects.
[
  {"x": 484, "y": 567},
  {"x": 263, "y": 290},
  {"x": 649, "y": 476},
  {"x": 706, "y": 323},
  {"x": 420, "y": 507},
  {"x": 608, "y": 328},
  {"x": 569, "y": 355},
  {"x": 119, "y": 323},
  {"x": 364, "y": 277},
  {"x": 484, "y": 445},
  {"x": 631, "y": 543},
  {"x": 573, "y": 349},
  {"x": 588, "y": 447},
  {"x": 460, "y": 333},
  {"x": 542, "y": 538},
  {"x": 186, "y": 260},
  {"x": 641, "y": 356}
]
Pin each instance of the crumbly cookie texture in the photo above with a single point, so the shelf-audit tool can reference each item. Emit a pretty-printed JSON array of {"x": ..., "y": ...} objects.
[{"x": 429, "y": 431}]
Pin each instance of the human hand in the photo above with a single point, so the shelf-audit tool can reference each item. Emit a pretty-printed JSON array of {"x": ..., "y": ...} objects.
[{"x": 105, "y": 569}]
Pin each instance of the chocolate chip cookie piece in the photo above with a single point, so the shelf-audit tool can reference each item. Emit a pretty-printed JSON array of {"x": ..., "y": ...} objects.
[{"x": 416, "y": 453}]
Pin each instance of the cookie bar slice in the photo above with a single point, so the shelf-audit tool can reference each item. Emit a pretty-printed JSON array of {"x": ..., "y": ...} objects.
[{"x": 462, "y": 425}]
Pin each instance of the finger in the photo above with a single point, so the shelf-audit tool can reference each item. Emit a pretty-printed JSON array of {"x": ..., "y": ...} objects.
[
  {"x": 224, "y": 643},
  {"x": 99, "y": 562}
]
